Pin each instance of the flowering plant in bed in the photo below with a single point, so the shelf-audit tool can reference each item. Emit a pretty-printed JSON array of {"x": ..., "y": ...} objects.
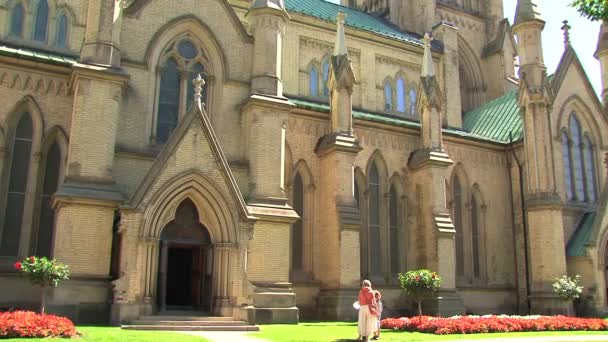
[
  {"x": 44, "y": 273},
  {"x": 420, "y": 284},
  {"x": 493, "y": 324}
]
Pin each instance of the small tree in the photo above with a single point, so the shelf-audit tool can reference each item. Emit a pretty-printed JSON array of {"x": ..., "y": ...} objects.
[
  {"x": 44, "y": 273},
  {"x": 568, "y": 288},
  {"x": 420, "y": 284}
]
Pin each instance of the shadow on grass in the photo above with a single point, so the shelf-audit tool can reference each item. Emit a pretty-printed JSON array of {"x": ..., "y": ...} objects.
[{"x": 346, "y": 340}]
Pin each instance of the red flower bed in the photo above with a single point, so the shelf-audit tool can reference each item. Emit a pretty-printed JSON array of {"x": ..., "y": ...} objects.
[
  {"x": 492, "y": 324},
  {"x": 31, "y": 324}
]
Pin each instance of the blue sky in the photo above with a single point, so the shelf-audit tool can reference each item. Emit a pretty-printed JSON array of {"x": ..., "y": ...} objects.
[{"x": 583, "y": 35}]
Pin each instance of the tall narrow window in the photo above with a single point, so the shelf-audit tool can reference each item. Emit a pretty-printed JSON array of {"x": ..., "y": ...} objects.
[
  {"x": 47, "y": 214},
  {"x": 567, "y": 166},
  {"x": 458, "y": 206},
  {"x": 388, "y": 97},
  {"x": 325, "y": 77},
  {"x": 589, "y": 171},
  {"x": 374, "y": 249},
  {"x": 181, "y": 62},
  {"x": 168, "y": 101},
  {"x": 357, "y": 195},
  {"x": 17, "y": 18},
  {"x": 297, "y": 238},
  {"x": 20, "y": 163},
  {"x": 413, "y": 101},
  {"x": 476, "y": 238},
  {"x": 577, "y": 144},
  {"x": 42, "y": 21},
  {"x": 401, "y": 95},
  {"x": 394, "y": 225},
  {"x": 62, "y": 31},
  {"x": 313, "y": 81}
]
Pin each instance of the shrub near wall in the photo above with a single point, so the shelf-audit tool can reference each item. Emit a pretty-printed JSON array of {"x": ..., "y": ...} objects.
[
  {"x": 493, "y": 324},
  {"x": 31, "y": 324}
]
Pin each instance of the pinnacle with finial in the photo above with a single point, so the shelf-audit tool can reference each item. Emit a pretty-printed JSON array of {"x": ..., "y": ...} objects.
[
  {"x": 198, "y": 83},
  {"x": 428, "y": 68},
  {"x": 340, "y": 48},
  {"x": 566, "y": 28}
]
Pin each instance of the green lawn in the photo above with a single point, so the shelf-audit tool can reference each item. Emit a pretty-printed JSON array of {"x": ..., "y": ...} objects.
[
  {"x": 346, "y": 332},
  {"x": 106, "y": 334}
]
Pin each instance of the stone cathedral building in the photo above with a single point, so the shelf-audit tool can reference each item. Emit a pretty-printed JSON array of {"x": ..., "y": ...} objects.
[{"x": 324, "y": 144}]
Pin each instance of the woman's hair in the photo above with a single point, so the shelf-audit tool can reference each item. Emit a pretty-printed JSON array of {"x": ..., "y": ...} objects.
[{"x": 367, "y": 283}]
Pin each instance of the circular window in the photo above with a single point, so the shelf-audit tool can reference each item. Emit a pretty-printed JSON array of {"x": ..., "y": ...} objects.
[{"x": 187, "y": 49}]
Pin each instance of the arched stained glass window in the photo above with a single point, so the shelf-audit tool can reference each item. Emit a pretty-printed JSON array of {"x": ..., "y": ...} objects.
[
  {"x": 401, "y": 93},
  {"x": 62, "y": 31},
  {"x": 413, "y": 101},
  {"x": 394, "y": 226},
  {"x": 18, "y": 178},
  {"x": 297, "y": 234},
  {"x": 17, "y": 19},
  {"x": 42, "y": 21},
  {"x": 47, "y": 213},
  {"x": 374, "y": 249},
  {"x": 388, "y": 97},
  {"x": 313, "y": 81},
  {"x": 476, "y": 238},
  {"x": 567, "y": 166},
  {"x": 194, "y": 72},
  {"x": 168, "y": 100},
  {"x": 325, "y": 77},
  {"x": 577, "y": 158},
  {"x": 183, "y": 61},
  {"x": 590, "y": 171},
  {"x": 458, "y": 207}
]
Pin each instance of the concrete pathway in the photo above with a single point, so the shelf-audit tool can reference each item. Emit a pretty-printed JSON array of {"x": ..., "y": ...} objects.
[
  {"x": 224, "y": 336},
  {"x": 242, "y": 337}
]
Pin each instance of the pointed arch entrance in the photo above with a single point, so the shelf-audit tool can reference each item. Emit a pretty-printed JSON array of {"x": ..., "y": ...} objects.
[{"x": 185, "y": 259}]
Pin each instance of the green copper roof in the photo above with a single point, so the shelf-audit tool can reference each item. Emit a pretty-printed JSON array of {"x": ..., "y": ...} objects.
[
  {"x": 387, "y": 119},
  {"x": 496, "y": 119},
  {"x": 360, "y": 20},
  {"x": 44, "y": 57},
  {"x": 582, "y": 235}
]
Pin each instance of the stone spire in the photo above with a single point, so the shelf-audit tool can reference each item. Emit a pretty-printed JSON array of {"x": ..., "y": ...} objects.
[
  {"x": 341, "y": 82},
  {"x": 340, "y": 48},
  {"x": 428, "y": 68},
  {"x": 566, "y": 28},
  {"x": 527, "y": 11},
  {"x": 198, "y": 83}
]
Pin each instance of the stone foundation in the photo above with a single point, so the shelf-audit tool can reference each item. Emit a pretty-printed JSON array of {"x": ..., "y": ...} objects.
[
  {"x": 337, "y": 305},
  {"x": 275, "y": 303}
]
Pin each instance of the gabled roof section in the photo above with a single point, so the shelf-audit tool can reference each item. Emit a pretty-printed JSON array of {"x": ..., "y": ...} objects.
[
  {"x": 498, "y": 119},
  {"x": 570, "y": 58},
  {"x": 194, "y": 117},
  {"x": 582, "y": 236},
  {"x": 327, "y": 11},
  {"x": 504, "y": 32}
]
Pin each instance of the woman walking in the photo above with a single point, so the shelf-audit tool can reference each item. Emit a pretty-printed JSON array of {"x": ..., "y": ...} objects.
[{"x": 368, "y": 311}]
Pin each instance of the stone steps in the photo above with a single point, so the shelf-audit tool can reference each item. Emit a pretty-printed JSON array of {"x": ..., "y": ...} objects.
[{"x": 188, "y": 323}]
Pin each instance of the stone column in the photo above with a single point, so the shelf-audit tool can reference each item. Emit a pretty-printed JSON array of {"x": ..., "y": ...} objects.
[{"x": 102, "y": 33}]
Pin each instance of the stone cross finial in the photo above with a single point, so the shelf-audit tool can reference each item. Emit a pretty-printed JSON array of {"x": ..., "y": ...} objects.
[
  {"x": 198, "y": 82},
  {"x": 428, "y": 68},
  {"x": 340, "y": 48},
  {"x": 566, "y": 28}
]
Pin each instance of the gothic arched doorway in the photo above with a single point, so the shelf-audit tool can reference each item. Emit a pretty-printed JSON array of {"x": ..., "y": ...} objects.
[{"x": 184, "y": 277}]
